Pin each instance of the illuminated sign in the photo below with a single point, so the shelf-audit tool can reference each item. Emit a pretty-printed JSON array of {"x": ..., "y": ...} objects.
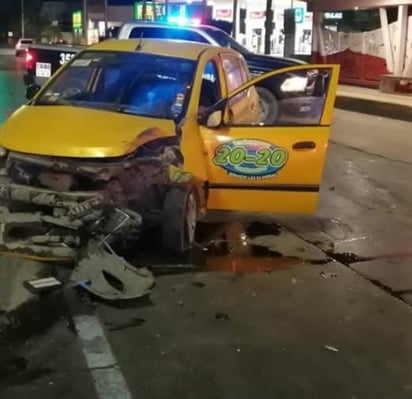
[
  {"x": 77, "y": 19},
  {"x": 299, "y": 15},
  {"x": 151, "y": 12},
  {"x": 333, "y": 15}
]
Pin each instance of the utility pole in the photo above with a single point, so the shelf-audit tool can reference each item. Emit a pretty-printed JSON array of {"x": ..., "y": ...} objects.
[
  {"x": 22, "y": 18},
  {"x": 268, "y": 25}
]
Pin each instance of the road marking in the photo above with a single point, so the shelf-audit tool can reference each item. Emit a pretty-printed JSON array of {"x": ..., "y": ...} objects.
[{"x": 107, "y": 377}]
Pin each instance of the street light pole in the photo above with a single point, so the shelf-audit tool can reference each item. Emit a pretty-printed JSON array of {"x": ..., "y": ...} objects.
[{"x": 22, "y": 18}]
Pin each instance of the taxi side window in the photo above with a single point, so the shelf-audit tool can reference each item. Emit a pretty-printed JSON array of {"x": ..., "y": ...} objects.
[
  {"x": 210, "y": 92},
  {"x": 293, "y": 98},
  {"x": 235, "y": 76}
]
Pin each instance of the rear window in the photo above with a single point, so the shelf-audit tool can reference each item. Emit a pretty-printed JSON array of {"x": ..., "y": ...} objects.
[
  {"x": 166, "y": 33},
  {"x": 26, "y": 41}
]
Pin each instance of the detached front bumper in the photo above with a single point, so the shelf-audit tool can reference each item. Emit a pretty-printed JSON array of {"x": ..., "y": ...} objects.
[{"x": 42, "y": 223}]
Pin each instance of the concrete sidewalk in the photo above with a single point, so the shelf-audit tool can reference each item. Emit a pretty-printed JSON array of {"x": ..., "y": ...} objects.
[
  {"x": 373, "y": 102},
  {"x": 388, "y": 138}
]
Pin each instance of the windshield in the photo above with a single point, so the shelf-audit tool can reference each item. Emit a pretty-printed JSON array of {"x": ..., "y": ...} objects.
[
  {"x": 135, "y": 83},
  {"x": 225, "y": 40}
]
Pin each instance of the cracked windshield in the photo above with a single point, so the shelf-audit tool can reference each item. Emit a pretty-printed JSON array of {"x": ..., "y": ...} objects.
[{"x": 205, "y": 199}]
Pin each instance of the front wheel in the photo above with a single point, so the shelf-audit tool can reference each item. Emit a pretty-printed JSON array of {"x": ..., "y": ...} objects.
[
  {"x": 180, "y": 211},
  {"x": 269, "y": 106}
]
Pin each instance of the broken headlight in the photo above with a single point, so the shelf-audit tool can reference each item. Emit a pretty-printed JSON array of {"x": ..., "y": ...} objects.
[
  {"x": 3, "y": 158},
  {"x": 3, "y": 152}
]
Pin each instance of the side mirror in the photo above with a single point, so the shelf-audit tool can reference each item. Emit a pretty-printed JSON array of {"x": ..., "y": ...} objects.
[
  {"x": 214, "y": 119},
  {"x": 31, "y": 91}
]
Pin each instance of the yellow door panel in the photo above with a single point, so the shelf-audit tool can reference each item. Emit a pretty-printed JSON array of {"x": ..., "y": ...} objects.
[
  {"x": 284, "y": 202},
  {"x": 276, "y": 167}
]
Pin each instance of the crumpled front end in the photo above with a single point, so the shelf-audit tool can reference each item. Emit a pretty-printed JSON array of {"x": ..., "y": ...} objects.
[{"x": 65, "y": 208}]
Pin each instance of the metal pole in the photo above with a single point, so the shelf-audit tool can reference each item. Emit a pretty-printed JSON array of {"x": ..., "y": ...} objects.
[
  {"x": 268, "y": 25},
  {"x": 144, "y": 12},
  {"x": 166, "y": 9},
  {"x": 235, "y": 18},
  {"x": 154, "y": 10},
  {"x": 106, "y": 21},
  {"x": 85, "y": 19},
  {"x": 22, "y": 18}
]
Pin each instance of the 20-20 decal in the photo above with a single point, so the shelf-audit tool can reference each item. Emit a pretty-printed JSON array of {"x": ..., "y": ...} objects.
[{"x": 251, "y": 158}]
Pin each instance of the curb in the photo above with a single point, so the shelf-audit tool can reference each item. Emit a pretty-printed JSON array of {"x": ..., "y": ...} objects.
[{"x": 376, "y": 108}]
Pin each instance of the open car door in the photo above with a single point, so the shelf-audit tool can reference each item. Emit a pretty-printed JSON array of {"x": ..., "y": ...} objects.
[{"x": 275, "y": 166}]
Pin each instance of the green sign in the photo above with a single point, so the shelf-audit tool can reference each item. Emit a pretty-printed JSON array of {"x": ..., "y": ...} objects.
[
  {"x": 154, "y": 10},
  {"x": 299, "y": 15},
  {"x": 77, "y": 19}
]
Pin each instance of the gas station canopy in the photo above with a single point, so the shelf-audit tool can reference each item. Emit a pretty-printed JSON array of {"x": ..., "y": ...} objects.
[{"x": 335, "y": 5}]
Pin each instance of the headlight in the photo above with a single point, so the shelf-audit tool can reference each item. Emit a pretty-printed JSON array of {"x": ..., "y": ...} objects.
[{"x": 3, "y": 152}]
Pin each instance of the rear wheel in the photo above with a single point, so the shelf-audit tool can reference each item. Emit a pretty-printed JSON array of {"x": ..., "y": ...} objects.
[
  {"x": 269, "y": 106},
  {"x": 179, "y": 219}
]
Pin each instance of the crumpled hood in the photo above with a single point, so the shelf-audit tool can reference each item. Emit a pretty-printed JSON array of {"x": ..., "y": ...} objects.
[{"x": 79, "y": 132}]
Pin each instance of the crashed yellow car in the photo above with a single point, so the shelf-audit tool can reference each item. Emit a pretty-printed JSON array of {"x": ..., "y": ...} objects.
[{"x": 132, "y": 134}]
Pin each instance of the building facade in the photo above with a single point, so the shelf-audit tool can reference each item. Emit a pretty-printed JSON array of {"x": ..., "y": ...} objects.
[{"x": 368, "y": 38}]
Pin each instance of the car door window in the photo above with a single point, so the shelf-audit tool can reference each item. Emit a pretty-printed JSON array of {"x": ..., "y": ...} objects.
[
  {"x": 234, "y": 76},
  {"x": 293, "y": 98},
  {"x": 147, "y": 32},
  {"x": 210, "y": 92}
]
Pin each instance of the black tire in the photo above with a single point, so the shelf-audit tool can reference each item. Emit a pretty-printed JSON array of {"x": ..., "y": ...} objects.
[
  {"x": 269, "y": 106},
  {"x": 180, "y": 212}
]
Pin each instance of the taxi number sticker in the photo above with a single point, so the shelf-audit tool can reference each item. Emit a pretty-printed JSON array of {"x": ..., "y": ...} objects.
[{"x": 251, "y": 158}]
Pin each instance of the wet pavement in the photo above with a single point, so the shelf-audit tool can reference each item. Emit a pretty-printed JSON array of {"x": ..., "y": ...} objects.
[{"x": 285, "y": 307}]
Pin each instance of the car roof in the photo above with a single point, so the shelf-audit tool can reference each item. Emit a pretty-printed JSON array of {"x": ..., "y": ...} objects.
[
  {"x": 167, "y": 47},
  {"x": 161, "y": 24}
]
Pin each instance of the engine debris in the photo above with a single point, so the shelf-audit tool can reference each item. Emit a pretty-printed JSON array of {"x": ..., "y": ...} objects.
[{"x": 63, "y": 208}]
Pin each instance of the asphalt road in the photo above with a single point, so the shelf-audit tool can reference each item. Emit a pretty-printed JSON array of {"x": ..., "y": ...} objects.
[{"x": 310, "y": 307}]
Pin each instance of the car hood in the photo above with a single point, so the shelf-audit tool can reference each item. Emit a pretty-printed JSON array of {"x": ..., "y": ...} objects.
[{"x": 79, "y": 132}]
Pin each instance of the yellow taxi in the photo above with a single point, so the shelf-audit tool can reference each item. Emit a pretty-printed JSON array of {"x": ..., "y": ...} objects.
[{"x": 135, "y": 133}]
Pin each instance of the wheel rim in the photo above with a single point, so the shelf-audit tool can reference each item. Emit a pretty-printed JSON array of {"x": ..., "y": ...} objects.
[
  {"x": 190, "y": 218},
  {"x": 264, "y": 109}
]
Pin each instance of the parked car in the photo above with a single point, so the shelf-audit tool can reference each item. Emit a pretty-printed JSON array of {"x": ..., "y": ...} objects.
[{"x": 22, "y": 46}]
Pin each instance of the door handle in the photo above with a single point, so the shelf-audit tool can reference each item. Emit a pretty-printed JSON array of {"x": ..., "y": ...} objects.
[{"x": 304, "y": 145}]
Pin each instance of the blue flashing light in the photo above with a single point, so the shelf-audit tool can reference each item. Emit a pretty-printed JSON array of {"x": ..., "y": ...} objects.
[{"x": 183, "y": 21}]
